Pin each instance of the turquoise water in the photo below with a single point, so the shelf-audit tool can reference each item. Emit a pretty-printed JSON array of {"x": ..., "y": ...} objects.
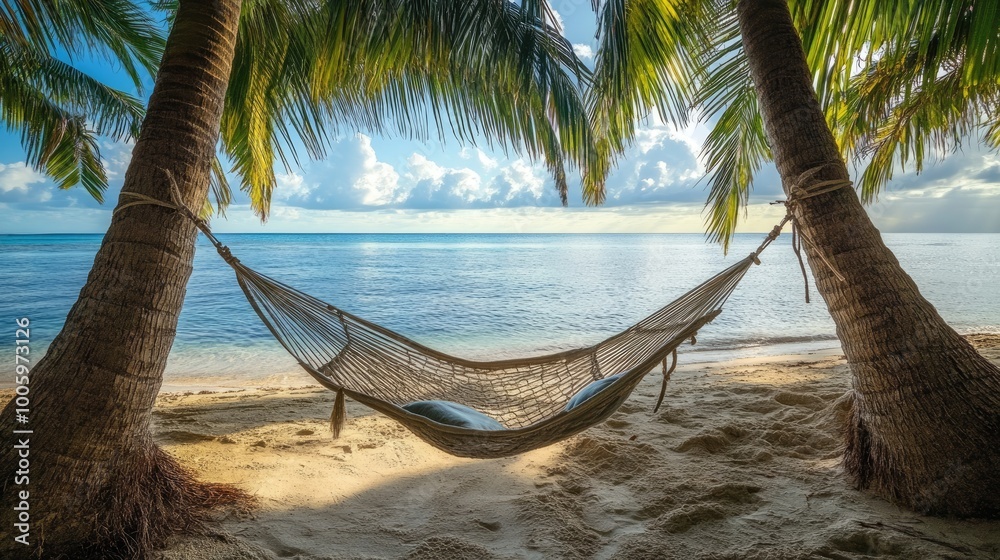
[{"x": 490, "y": 296}]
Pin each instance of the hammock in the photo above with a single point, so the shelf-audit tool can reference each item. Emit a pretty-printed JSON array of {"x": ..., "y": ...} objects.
[{"x": 385, "y": 370}]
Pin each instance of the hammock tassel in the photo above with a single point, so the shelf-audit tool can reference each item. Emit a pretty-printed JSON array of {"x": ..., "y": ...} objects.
[
  {"x": 339, "y": 414},
  {"x": 666, "y": 378}
]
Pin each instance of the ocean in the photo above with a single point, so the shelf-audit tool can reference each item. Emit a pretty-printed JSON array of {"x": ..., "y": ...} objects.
[{"x": 486, "y": 296}]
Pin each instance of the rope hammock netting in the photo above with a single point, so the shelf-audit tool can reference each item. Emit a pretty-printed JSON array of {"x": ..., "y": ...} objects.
[{"x": 528, "y": 397}]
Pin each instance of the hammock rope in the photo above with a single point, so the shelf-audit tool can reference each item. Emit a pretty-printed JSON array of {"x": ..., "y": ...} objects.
[
  {"x": 799, "y": 191},
  {"x": 385, "y": 370}
]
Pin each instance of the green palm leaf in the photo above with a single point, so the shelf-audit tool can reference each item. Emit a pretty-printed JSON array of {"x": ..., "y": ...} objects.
[
  {"x": 649, "y": 59},
  {"x": 58, "y": 110},
  {"x": 484, "y": 72},
  {"x": 919, "y": 91},
  {"x": 119, "y": 30},
  {"x": 916, "y": 101},
  {"x": 737, "y": 146},
  {"x": 55, "y": 140}
]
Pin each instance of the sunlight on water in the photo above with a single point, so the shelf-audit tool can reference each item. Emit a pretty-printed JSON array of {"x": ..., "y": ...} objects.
[{"x": 493, "y": 296}]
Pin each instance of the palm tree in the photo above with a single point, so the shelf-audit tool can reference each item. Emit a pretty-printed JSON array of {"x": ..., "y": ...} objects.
[
  {"x": 265, "y": 76},
  {"x": 59, "y": 111},
  {"x": 923, "y": 427},
  {"x": 930, "y": 80}
]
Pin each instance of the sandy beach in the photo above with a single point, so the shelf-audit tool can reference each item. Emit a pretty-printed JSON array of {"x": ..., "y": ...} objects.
[{"x": 741, "y": 462}]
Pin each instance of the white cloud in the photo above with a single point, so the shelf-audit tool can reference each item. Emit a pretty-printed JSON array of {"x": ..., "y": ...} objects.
[
  {"x": 18, "y": 176},
  {"x": 583, "y": 51},
  {"x": 522, "y": 184},
  {"x": 488, "y": 163},
  {"x": 434, "y": 186},
  {"x": 354, "y": 179},
  {"x": 376, "y": 180},
  {"x": 421, "y": 168},
  {"x": 351, "y": 178},
  {"x": 286, "y": 213},
  {"x": 291, "y": 185},
  {"x": 516, "y": 184},
  {"x": 116, "y": 157},
  {"x": 956, "y": 209},
  {"x": 661, "y": 166}
]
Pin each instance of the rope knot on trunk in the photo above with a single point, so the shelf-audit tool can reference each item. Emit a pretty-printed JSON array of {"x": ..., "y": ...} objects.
[
  {"x": 177, "y": 204},
  {"x": 801, "y": 190}
]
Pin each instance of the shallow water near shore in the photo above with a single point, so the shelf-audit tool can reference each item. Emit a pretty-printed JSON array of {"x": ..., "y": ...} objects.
[{"x": 492, "y": 296}]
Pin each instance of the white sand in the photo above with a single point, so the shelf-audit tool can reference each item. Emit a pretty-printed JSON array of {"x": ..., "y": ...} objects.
[{"x": 741, "y": 462}]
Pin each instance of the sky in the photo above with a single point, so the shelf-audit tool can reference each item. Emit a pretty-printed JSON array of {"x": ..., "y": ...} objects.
[{"x": 375, "y": 184}]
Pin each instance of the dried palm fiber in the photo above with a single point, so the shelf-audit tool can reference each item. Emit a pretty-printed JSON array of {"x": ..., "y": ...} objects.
[{"x": 385, "y": 370}]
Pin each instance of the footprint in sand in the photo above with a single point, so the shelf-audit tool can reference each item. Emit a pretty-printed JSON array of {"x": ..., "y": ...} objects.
[
  {"x": 800, "y": 399},
  {"x": 718, "y": 502},
  {"x": 617, "y": 423},
  {"x": 437, "y": 548},
  {"x": 183, "y": 436},
  {"x": 863, "y": 542},
  {"x": 687, "y": 516},
  {"x": 713, "y": 441}
]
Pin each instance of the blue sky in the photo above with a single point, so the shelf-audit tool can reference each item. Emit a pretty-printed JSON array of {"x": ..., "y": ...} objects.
[{"x": 379, "y": 184}]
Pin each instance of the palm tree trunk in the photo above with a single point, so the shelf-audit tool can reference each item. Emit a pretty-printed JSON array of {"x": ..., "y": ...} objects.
[
  {"x": 99, "y": 486},
  {"x": 924, "y": 425}
]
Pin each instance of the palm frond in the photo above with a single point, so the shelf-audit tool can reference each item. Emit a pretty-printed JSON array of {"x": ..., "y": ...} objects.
[
  {"x": 59, "y": 113},
  {"x": 735, "y": 148},
  {"x": 110, "y": 112},
  {"x": 649, "y": 59},
  {"x": 55, "y": 140},
  {"x": 917, "y": 97},
  {"x": 837, "y": 35},
  {"x": 992, "y": 135},
  {"x": 220, "y": 191},
  {"x": 58, "y": 110},
  {"x": 119, "y": 30},
  {"x": 482, "y": 72},
  {"x": 930, "y": 122}
]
